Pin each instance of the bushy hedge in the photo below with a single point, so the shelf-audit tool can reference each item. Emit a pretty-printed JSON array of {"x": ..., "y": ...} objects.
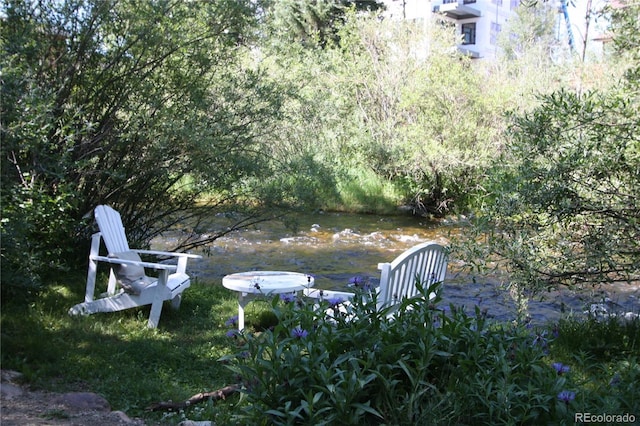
[{"x": 428, "y": 364}]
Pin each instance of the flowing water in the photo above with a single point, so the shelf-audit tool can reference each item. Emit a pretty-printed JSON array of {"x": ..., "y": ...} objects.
[{"x": 334, "y": 247}]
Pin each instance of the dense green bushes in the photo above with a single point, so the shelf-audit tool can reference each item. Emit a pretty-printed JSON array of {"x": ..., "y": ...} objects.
[
  {"x": 428, "y": 365},
  {"x": 144, "y": 106},
  {"x": 562, "y": 204},
  {"x": 388, "y": 105}
]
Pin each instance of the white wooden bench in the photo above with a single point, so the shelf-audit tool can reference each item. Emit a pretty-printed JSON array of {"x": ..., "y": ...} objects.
[{"x": 426, "y": 263}]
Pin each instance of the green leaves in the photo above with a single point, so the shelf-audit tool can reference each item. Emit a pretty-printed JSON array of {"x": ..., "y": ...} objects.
[
  {"x": 142, "y": 105},
  {"x": 426, "y": 365},
  {"x": 564, "y": 209}
]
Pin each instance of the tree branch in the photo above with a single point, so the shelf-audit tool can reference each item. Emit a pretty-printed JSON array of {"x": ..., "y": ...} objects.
[{"x": 215, "y": 395}]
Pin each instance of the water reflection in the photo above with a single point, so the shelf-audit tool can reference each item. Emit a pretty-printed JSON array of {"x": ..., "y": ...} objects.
[{"x": 335, "y": 247}]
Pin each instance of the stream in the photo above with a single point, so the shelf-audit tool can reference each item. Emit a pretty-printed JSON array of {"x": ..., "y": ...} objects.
[{"x": 334, "y": 247}]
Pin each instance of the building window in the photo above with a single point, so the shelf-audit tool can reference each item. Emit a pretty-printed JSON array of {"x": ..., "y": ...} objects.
[
  {"x": 497, "y": 2},
  {"x": 495, "y": 30},
  {"x": 468, "y": 1},
  {"x": 514, "y": 4},
  {"x": 469, "y": 33}
]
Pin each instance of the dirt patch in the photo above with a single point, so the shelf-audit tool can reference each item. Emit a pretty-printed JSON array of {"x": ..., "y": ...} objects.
[{"x": 23, "y": 407}]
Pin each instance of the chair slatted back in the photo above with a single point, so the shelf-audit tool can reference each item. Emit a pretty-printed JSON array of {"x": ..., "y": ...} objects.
[
  {"x": 427, "y": 262},
  {"x": 111, "y": 229}
]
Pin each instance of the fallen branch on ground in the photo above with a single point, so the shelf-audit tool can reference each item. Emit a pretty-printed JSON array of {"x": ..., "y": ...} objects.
[{"x": 215, "y": 395}]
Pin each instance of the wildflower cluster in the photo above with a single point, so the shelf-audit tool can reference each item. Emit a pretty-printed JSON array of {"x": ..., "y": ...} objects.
[
  {"x": 299, "y": 333},
  {"x": 335, "y": 301},
  {"x": 566, "y": 396},
  {"x": 288, "y": 297}
]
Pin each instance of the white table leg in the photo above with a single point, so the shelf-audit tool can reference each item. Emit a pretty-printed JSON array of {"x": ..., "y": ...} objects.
[{"x": 241, "y": 305}]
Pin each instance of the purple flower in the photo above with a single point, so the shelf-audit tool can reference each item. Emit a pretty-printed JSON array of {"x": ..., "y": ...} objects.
[
  {"x": 615, "y": 380},
  {"x": 566, "y": 396},
  {"x": 360, "y": 282},
  {"x": 560, "y": 368},
  {"x": 540, "y": 339},
  {"x": 335, "y": 301},
  {"x": 287, "y": 297},
  {"x": 299, "y": 333},
  {"x": 231, "y": 321},
  {"x": 357, "y": 280},
  {"x": 231, "y": 333}
]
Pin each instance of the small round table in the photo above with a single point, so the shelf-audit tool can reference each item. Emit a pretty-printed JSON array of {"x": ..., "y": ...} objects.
[{"x": 252, "y": 284}]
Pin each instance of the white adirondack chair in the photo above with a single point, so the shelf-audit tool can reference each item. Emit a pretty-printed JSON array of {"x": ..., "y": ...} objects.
[
  {"x": 127, "y": 270},
  {"x": 426, "y": 262}
]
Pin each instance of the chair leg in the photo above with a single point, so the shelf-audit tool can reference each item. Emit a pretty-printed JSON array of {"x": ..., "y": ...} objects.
[
  {"x": 158, "y": 300},
  {"x": 175, "y": 302},
  {"x": 91, "y": 280},
  {"x": 92, "y": 270},
  {"x": 156, "y": 310},
  {"x": 115, "y": 303}
]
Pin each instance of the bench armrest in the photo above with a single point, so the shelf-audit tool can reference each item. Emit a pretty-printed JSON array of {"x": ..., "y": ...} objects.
[
  {"x": 168, "y": 253},
  {"x": 150, "y": 265}
]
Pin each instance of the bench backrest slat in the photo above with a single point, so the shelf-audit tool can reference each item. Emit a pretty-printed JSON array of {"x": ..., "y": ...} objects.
[{"x": 426, "y": 262}]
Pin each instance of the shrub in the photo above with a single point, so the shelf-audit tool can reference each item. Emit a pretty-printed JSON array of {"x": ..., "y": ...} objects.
[{"x": 423, "y": 365}]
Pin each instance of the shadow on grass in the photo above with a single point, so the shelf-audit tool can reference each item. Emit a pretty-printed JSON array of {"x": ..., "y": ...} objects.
[{"x": 115, "y": 354}]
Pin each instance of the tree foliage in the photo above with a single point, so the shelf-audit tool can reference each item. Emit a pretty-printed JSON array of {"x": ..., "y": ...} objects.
[
  {"x": 625, "y": 26},
  {"x": 391, "y": 106},
  {"x": 563, "y": 206},
  {"x": 312, "y": 22},
  {"x": 532, "y": 28},
  {"x": 142, "y": 105}
]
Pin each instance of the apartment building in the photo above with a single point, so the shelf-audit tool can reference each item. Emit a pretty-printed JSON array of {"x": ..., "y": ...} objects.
[{"x": 478, "y": 22}]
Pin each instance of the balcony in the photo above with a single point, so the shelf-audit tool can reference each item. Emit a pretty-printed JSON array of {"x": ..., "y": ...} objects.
[{"x": 457, "y": 9}]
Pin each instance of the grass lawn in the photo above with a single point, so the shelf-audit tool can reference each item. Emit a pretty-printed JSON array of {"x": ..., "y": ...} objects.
[{"x": 117, "y": 356}]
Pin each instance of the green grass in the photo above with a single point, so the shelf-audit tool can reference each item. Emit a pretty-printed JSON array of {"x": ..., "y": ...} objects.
[
  {"x": 362, "y": 191},
  {"x": 117, "y": 356}
]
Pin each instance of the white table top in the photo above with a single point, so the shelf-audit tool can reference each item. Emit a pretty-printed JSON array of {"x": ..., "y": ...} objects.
[{"x": 267, "y": 282}]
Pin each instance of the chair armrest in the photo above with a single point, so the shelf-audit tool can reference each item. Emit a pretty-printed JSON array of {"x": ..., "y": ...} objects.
[
  {"x": 168, "y": 253},
  {"x": 150, "y": 265}
]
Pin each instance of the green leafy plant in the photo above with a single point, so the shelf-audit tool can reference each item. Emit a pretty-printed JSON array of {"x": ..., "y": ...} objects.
[
  {"x": 561, "y": 205},
  {"x": 337, "y": 362}
]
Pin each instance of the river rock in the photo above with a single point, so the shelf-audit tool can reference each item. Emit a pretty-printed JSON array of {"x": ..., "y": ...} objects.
[
  {"x": 83, "y": 401},
  {"x": 9, "y": 389}
]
